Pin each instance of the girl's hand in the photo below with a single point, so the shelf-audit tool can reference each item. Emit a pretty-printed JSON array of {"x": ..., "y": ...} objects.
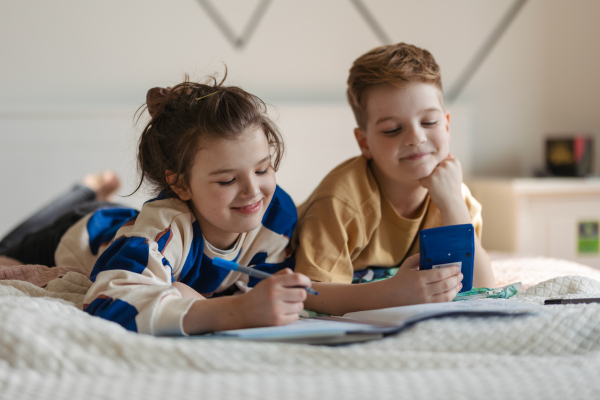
[
  {"x": 445, "y": 184},
  {"x": 276, "y": 300},
  {"x": 412, "y": 286}
]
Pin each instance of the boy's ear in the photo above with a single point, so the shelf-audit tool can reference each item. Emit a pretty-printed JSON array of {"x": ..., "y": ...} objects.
[
  {"x": 361, "y": 139},
  {"x": 179, "y": 187},
  {"x": 448, "y": 125}
]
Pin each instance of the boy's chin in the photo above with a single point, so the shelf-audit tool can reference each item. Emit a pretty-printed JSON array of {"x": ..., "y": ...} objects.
[{"x": 421, "y": 173}]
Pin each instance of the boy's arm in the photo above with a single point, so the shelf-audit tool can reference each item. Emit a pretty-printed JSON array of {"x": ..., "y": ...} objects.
[
  {"x": 483, "y": 275},
  {"x": 445, "y": 188},
  {"x": 408, "y": 286}
]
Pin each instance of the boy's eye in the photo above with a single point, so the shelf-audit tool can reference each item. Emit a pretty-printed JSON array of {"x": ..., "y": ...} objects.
[
  {"x": 263, "y": 171},
  {"x": 392, "y": 131},
  {"x": 429, "y": 123},
  {"x": 225, "y": 183}
]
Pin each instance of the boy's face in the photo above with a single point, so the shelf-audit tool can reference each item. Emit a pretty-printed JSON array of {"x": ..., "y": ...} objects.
[{"x": 407, "y": 132}]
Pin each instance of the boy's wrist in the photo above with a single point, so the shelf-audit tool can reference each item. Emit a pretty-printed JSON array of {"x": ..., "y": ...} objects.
[
  {"x": 450, "y": 204},
  {"x": 455, "y": 213}
]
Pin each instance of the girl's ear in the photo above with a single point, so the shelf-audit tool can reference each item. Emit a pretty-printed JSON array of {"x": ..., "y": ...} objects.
[
  {"x": 361, "y": 139},
  {"x": 179, "y": 187}
]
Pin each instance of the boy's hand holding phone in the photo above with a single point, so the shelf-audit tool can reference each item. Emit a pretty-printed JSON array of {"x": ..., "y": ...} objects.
[{"x": 412, "y": 286}]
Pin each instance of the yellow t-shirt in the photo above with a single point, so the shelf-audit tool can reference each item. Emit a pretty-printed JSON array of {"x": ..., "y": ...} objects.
[{"x": 348, "y": 224}]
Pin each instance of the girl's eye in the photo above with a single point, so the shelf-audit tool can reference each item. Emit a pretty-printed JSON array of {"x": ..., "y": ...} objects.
[
  {"x": 429, "y": 123},
  {"x": 226, "y": 183},
  {"x": 391, "y": 132},
  {"x": 263, "y": 171}
]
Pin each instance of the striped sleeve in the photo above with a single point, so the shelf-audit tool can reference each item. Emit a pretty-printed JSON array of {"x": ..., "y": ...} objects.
[{"x": 132, "y": 277}]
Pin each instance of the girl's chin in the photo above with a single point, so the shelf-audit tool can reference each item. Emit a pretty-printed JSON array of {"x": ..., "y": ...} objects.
[{"x": 250, "y": 223}]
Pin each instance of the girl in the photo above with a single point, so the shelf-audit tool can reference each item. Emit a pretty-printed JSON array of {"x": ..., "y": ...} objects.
[{"x": 210, "y": 152}]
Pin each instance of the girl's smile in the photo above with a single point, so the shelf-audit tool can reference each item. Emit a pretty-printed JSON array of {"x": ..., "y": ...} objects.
[{"x": 249, "y": 209}]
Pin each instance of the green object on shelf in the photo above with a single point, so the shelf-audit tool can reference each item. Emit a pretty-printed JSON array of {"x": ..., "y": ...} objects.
[{"x": 588, "y": 241}]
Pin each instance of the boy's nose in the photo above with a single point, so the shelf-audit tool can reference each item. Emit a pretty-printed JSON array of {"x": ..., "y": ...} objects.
[{"x": 414, "y": 136}]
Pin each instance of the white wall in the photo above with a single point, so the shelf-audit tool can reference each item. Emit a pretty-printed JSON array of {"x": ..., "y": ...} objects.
[
  {"x": 71, "y": 51},
  {"x": 72, "y": 73},
  {"x": 542, "y": 79}
]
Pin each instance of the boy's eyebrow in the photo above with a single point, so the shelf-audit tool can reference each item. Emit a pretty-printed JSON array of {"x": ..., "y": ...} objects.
[
  {"x": 224, "y": 171},
  {"x": 382, "y": 119},
  {"x": 432, "y": 109}
]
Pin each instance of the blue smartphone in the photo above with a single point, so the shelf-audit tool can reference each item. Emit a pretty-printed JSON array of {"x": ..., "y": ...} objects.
[{"x": 449, "y": 245}]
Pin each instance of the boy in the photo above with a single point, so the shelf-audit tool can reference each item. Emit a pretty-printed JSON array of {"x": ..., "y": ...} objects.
[{"x": 367, "y": 212}]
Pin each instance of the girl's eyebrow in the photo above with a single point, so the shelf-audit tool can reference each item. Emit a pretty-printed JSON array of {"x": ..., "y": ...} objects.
[{"x": 225, "y": 171}]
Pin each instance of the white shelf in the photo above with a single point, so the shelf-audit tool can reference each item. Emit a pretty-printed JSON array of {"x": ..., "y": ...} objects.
[{"x": 538, "y": 216}]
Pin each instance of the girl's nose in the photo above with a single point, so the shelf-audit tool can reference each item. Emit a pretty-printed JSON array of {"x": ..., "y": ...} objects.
[
  {"x": 414, "y": 136},
  {"x": 251, "y": 189}
]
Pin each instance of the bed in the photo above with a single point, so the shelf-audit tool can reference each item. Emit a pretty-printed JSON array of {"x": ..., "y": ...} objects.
[{"x": 50, "y": 349}]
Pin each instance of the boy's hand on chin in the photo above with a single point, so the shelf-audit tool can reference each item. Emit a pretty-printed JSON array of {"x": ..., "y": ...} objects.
[{"x": 445, "y": 183}]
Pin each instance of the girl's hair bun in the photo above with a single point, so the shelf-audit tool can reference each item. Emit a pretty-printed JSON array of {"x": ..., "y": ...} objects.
[{"x": 155, "y": 98}]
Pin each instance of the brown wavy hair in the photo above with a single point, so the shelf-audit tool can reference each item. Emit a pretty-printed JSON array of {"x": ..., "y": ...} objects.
[
  {"x": 181, "y": 115},
  {"x": 394, "y": 64}
]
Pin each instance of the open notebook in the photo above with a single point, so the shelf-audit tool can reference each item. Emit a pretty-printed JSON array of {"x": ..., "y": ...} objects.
[{"x": 373, "y": 324}]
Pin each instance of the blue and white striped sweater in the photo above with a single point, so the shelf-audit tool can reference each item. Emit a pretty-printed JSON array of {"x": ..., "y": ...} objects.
[{"x": 132, "y": 273}]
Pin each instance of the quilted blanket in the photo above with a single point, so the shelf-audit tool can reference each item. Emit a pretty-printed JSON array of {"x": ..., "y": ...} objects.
[{"x": 50, "y": 349}]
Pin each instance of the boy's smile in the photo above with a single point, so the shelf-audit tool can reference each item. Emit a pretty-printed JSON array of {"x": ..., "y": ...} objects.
[{"x": 407, "y": 132}]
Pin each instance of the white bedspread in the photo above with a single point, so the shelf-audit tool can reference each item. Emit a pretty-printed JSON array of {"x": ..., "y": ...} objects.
[{"x": 49, "y": 349}]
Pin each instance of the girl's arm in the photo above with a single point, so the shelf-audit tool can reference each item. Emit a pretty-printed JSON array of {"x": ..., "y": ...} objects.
[
  {"x": 273, "y": 301},
  {"x": 132, "y": 279},
  {"x": 187, "y": 292}
]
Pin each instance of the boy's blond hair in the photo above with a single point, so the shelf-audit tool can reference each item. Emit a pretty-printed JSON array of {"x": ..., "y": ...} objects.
[{"x": 395, "y": 64}]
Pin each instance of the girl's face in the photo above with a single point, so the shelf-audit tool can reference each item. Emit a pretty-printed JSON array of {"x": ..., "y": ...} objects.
[{"x": 231, "y": 185}]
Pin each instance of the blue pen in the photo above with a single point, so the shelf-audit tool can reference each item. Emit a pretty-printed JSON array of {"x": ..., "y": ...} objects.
[{"x": 233, "y": 266}]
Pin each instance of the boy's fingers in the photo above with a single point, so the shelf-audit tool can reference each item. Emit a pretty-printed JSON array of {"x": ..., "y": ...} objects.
[
  {"x": 446, "y": 296},
  {"x": 443, "y": 286},
  {"x": 436, "y": 275},
  {"x": 411, "y": 262}
]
